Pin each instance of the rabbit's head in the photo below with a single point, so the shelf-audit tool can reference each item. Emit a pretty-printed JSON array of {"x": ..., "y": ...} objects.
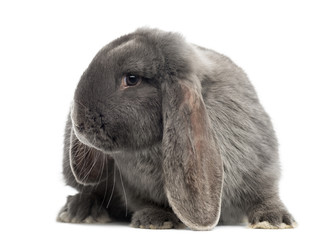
[{"x": 141, "y": 90}]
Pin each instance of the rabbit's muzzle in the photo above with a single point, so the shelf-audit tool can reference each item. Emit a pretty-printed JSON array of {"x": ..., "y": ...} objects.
[{"x": 88, "y": 125}]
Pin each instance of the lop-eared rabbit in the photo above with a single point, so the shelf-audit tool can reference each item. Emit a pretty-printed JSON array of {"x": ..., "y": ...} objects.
[{"x": 166, "y": 134}]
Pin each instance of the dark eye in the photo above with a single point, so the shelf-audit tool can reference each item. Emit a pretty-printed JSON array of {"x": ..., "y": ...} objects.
[{"x": 131, "y": 80}]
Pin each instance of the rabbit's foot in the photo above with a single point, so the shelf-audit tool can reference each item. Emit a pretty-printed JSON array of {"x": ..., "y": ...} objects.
[
  {"x": 83, "y": 208},
  {"x": 154, "y": 218},
  {"x": 279, "y": 219}
]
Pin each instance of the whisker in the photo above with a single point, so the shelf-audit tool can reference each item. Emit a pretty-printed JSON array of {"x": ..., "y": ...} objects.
[
  {"x": 82, "y": 159},
  {"x": 90, "y": 157},
  {"x": 99, "y": 175},
  {"x": 90, "y": 170},
  {"x": 106, "y": 185},
  {"x": 124, "y": 191},
  {"x": 110, "y": 198}
]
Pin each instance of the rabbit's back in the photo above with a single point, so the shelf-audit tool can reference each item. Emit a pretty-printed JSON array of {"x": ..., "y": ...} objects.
[{"x": 243, "y": 129}]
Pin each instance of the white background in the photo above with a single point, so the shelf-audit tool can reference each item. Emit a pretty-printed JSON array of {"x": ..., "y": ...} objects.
[{"x": 286, "y": 47}]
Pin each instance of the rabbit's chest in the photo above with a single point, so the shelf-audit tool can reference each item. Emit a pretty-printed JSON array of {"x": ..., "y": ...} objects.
[{"x": 142, "y": 175}]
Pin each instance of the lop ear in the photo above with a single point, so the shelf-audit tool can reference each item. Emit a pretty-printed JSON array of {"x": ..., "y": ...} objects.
[
  {"x": 88, "y": 165},
  {"x": 193, "y": 168}
]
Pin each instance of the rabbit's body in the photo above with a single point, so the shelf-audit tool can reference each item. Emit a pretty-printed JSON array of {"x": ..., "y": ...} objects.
[{"x": 137, "y": 181}]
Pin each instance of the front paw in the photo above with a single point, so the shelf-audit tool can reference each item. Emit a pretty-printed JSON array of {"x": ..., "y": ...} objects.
[
  {"x": 275, "y": 219},
  {"x": 155, "y": 218},
  {"x": 83, "y": 208}
]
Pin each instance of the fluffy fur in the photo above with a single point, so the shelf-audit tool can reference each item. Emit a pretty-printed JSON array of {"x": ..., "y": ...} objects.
[{"x": 190, "y": 144}]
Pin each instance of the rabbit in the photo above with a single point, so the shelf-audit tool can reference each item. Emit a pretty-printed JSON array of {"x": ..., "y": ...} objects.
[{"x": 163, "y": 133}]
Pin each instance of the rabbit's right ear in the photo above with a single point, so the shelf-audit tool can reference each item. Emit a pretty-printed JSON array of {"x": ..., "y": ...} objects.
[
  {"x": 192, "y": 165},
  {"x": 88, "y": 164}
]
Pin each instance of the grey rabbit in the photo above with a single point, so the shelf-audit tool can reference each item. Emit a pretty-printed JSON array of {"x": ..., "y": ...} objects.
[{"x": 166, "y": 134}]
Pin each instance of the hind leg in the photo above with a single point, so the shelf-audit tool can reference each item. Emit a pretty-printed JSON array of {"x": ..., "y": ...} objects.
[{"x": 269, "y": 214}]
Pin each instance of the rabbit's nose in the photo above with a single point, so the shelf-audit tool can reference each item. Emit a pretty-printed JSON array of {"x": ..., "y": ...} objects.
[{"x": 85, "y": 119}]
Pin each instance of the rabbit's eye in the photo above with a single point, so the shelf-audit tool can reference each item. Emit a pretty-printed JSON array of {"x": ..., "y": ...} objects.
[{"x": 131, "y": 80}]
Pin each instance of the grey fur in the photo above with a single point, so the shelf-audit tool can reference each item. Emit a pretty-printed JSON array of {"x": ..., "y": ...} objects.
[{"x": 190, "y": 142}]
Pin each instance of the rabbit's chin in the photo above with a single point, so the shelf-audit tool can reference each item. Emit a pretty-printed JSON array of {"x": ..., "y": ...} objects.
[
  {"x": 85, "y": 140},
  {"x": 96, "y": 143},
  {"x": 82, "y": 138}
]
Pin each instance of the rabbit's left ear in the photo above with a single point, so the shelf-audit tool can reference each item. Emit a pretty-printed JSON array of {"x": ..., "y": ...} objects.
[{"x": 192, "y": 165}]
